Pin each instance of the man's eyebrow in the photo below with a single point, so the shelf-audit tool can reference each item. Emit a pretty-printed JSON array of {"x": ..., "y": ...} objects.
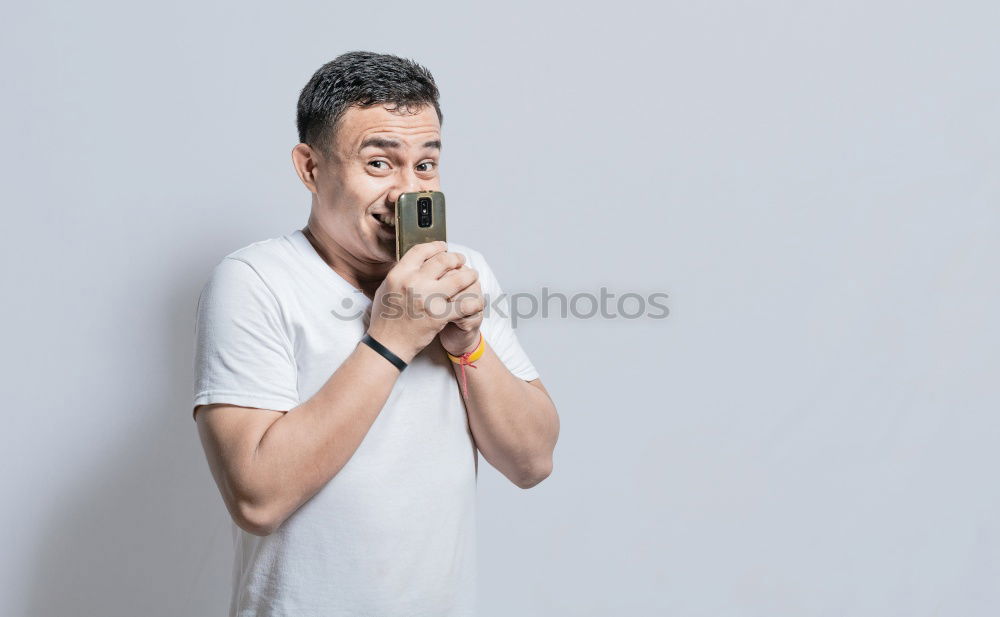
[
  {"x": 378, "y": 142},
  {"x": 389, "y": 144}
]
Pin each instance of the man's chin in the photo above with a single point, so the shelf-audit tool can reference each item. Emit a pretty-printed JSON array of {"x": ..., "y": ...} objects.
[{"x": 383, "y": 250}]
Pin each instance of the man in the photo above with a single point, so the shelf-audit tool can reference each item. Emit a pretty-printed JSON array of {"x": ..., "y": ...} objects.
[{"x": 349, "y": 464}]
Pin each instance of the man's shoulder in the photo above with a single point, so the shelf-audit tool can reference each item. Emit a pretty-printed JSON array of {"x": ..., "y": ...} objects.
[
  {"x": 267, "y": 250},
  {"x": 264, "y": 261}
]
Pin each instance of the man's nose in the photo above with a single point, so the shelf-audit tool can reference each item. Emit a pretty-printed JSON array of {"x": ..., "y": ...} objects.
[{"x": 408, "y": 183}]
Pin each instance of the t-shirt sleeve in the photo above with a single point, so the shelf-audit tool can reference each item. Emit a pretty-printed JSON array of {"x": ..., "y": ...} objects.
[
  {"x": 496, "y": 327},
  {"x": 243, "y": 355}
]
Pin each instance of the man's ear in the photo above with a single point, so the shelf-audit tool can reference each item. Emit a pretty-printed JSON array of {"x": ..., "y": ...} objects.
[{"x": 306, "y": 161}]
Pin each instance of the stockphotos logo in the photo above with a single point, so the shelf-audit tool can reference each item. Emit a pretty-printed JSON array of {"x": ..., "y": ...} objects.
[{"x": 519, "y": 306}]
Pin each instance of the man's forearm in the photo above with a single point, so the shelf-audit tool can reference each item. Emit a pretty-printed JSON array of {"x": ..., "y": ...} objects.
[
  {"x": 305, "y": 448},
  {"x": 514, "y": 423}
]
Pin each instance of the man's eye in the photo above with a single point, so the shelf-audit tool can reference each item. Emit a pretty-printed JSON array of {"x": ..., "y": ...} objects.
[
  {"x": 378, "y": 162},
  {"x": 426, "y": 163}
]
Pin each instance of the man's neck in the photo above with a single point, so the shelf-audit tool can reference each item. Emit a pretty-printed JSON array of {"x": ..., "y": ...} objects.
[{"x": 363, "y": 276}]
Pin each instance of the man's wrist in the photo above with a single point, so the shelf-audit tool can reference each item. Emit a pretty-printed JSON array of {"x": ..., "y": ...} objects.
[
  {"x": 404, "y": 352},
  {"x": 384, "y": 351},
  {"x": 469, "y": 347}
]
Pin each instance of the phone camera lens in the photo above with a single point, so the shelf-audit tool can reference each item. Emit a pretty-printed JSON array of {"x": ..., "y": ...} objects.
[{"x": 424, "y": 212}]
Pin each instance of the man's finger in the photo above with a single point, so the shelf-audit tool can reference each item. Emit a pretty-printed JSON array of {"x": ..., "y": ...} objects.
[
  {"x": 454, "y": 281},
  {"x": 468, "y": 322},
  {"x": 468, "y": 304},
  {"x": 416, "y": 256},
  {"x": 440, "y": 263}
]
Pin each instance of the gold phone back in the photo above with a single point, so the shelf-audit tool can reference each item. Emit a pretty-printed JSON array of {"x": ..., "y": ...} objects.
[{"x": 408, "y": 231}]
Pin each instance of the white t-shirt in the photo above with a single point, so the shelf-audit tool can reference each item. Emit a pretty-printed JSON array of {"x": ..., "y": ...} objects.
[{"x": 394, "y": 532}]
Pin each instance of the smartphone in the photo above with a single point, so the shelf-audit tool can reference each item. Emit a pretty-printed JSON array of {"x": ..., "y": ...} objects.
[{"x": 419, "y": 218}]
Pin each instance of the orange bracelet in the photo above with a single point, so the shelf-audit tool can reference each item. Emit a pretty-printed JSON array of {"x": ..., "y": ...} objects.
[{"x": 467, "y": 359}]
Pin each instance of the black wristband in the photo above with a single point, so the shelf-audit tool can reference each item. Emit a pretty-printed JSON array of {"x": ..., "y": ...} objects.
[{"x": 384, "y": 351}]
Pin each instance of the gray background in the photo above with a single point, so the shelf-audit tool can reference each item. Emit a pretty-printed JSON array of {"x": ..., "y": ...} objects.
[{"x": 814, "y": 185}]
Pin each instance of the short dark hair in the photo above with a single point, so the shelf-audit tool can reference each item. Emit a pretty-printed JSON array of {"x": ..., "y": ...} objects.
[{"x": 360, "y": 78}]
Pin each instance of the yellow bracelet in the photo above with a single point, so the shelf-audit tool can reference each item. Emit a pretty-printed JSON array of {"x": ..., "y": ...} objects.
[
  {"x": 473, "y": 355},
  {"x": 467, "y": 359}
]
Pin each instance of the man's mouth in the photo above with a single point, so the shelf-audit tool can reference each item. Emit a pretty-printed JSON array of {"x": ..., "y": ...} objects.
[
  {"x": 386, "y": 219},
  {"x": 385, "y": 226}
]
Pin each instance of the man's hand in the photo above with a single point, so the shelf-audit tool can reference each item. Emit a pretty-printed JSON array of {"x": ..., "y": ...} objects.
[
  {"x": 412, "y": 304},
  {"x": 461, "y": 335}
]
